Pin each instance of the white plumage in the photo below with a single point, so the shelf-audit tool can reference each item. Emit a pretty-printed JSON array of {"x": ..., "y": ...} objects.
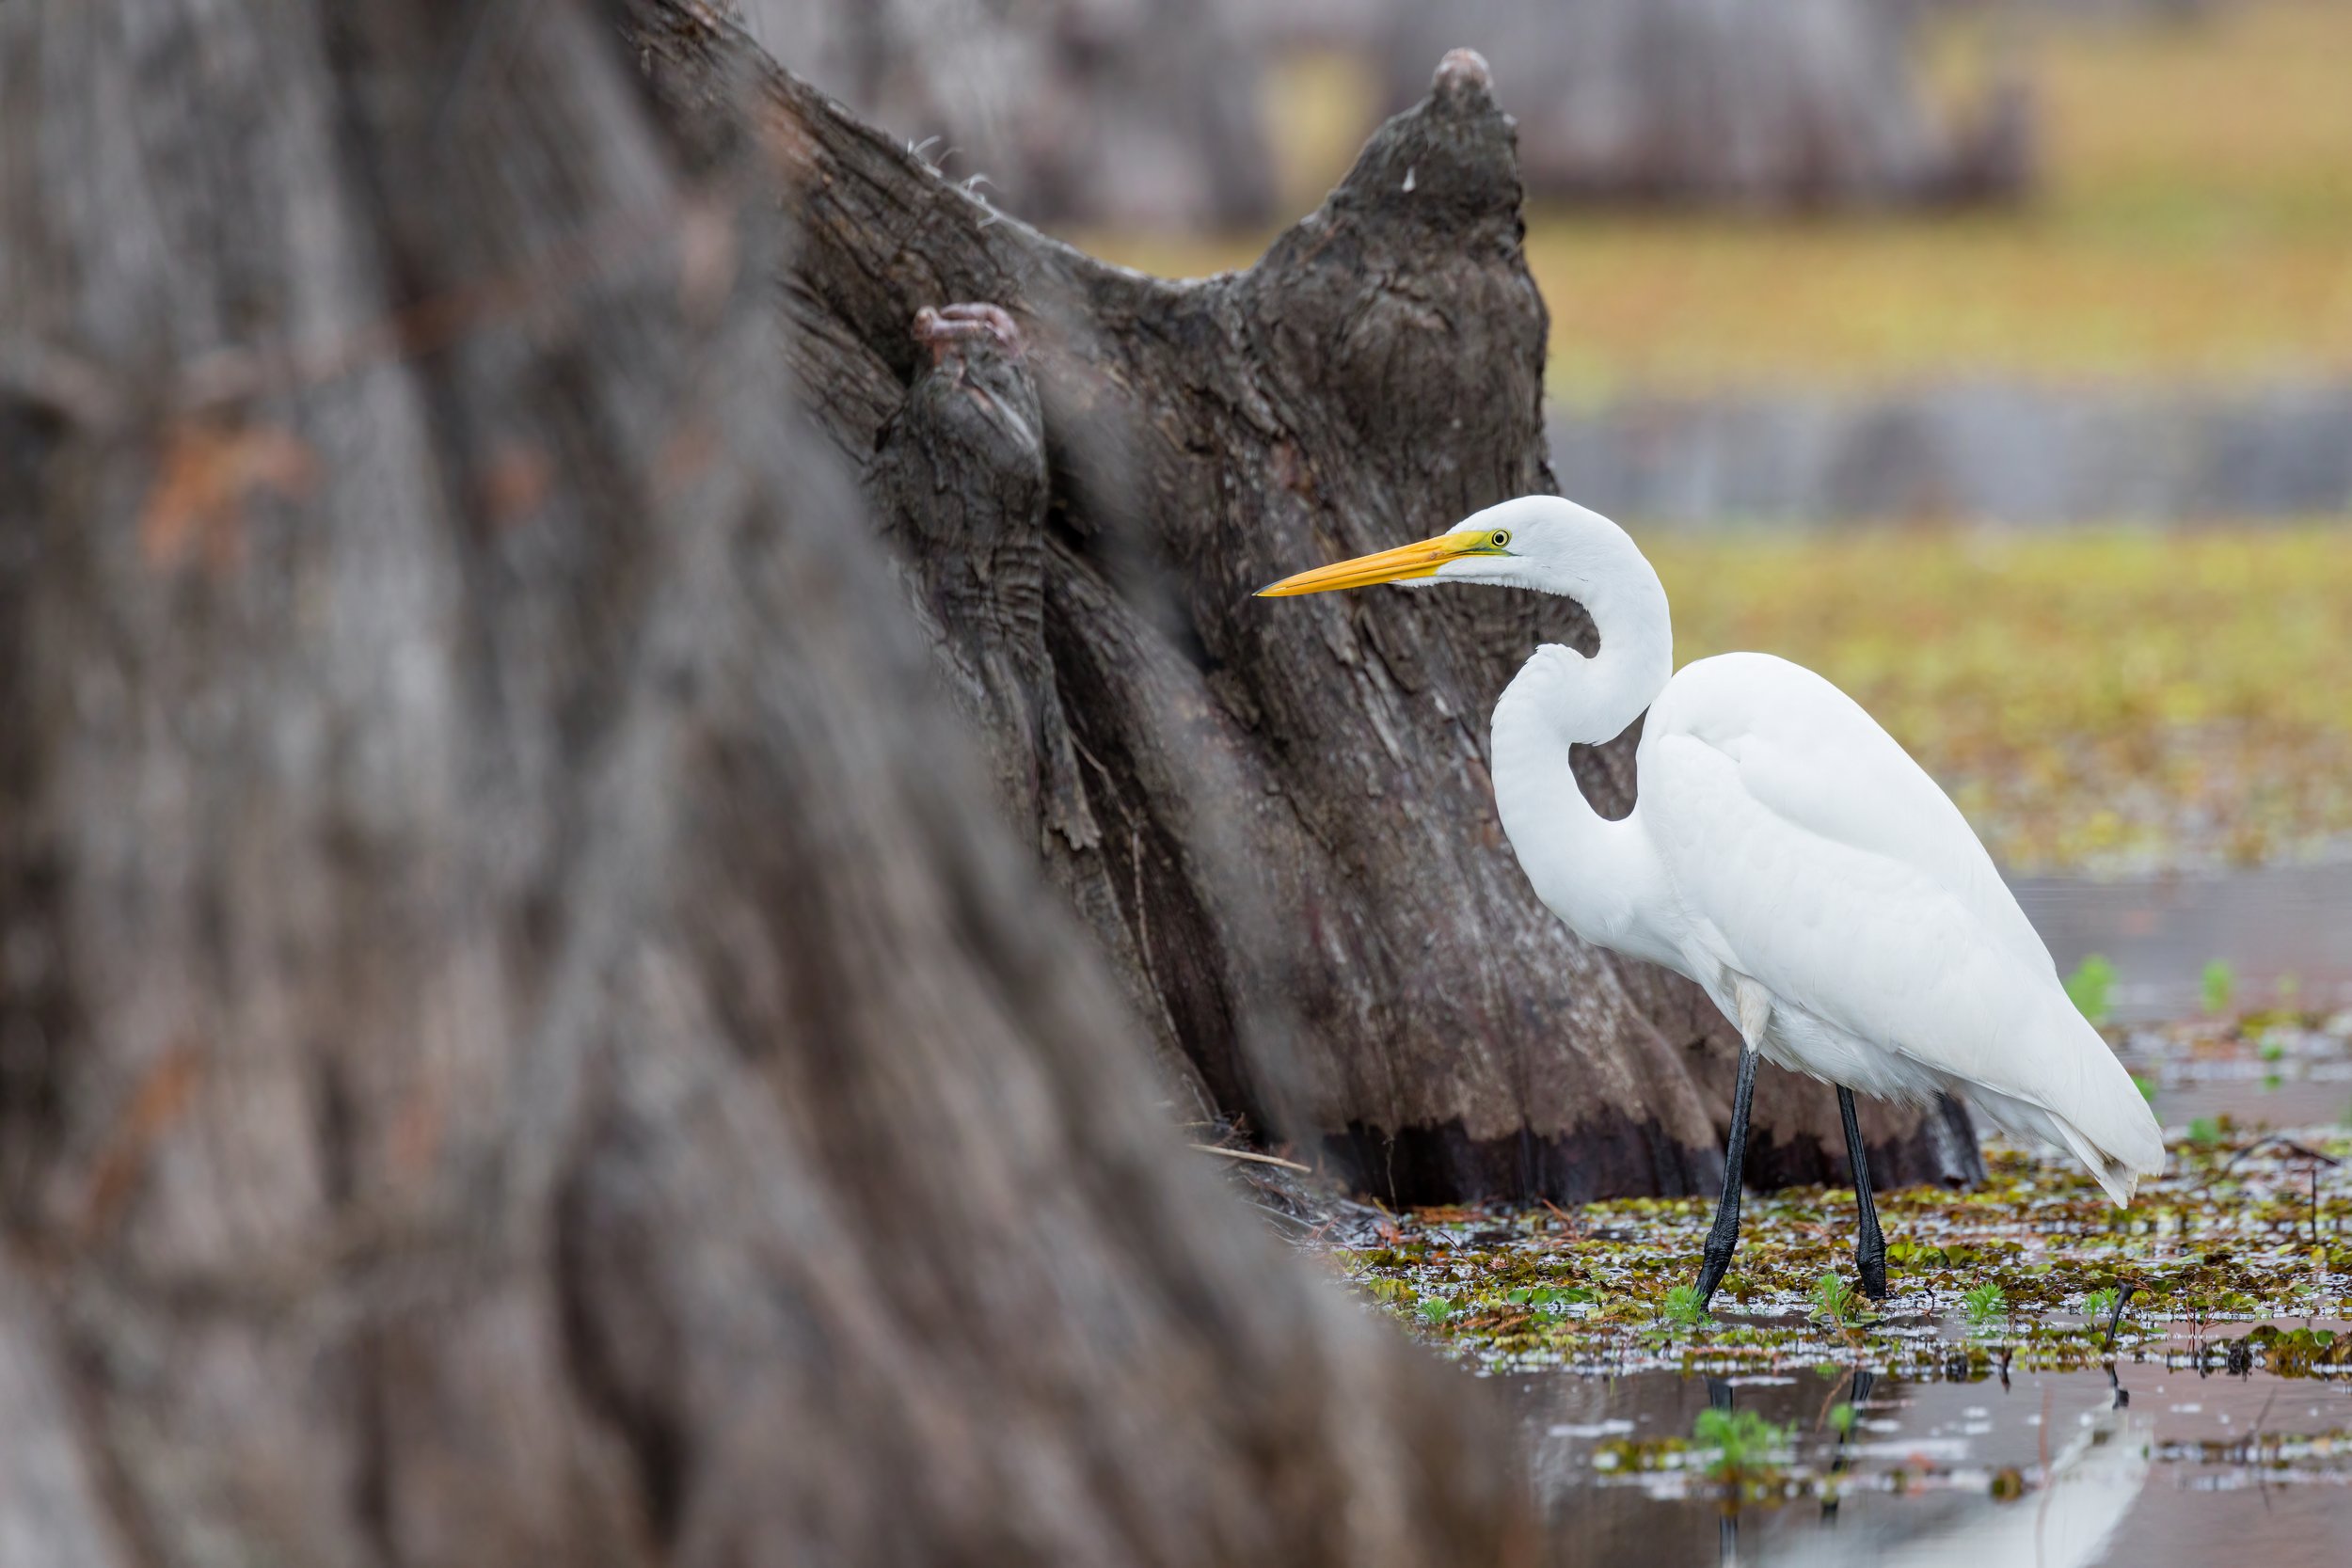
[
  {"x": 1807, "y": 853},
  {"x": 1783, "y": 851}
]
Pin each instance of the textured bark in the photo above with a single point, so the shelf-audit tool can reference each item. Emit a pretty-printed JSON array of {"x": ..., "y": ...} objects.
[
  {"x": 1276, "y": 817},
  {"x": 520, "y": 1039}
]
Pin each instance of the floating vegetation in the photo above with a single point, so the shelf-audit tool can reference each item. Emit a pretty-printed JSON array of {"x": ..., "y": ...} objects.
[
  {"x": 2238, "y": 1256},
  {"x": 1982, "y": 1408},
  {"x": 2116, "y": 701},
  {"x": 2270, "y": 1050}
]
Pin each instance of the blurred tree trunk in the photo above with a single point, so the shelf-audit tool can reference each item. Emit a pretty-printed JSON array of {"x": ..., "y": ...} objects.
[
  {"x": 1276, "y": 815},
  {"x": 520, "y": 1040},
  {"x": 1132, "y": 112},
  {"x": 1805, "y": 104}
]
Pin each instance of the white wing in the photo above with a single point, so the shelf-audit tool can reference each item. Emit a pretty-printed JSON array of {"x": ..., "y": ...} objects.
[{"x": 1811, "y": 854}]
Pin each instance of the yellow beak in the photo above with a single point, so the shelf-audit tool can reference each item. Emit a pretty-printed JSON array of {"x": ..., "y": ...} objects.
[{"x": 1396, "y": 566}]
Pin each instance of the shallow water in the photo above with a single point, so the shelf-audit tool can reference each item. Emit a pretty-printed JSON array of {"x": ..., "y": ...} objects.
[
  {"x": 2000, "y": 1442},
  {"x": 2190, "y": 1470},
  {"x": 2272, "y": 925},
  {"x": 1990, "y": 1433}
]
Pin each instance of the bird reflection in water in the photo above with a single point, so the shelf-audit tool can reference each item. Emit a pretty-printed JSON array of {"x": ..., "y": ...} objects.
[{"x": 2064, "y": 1523}]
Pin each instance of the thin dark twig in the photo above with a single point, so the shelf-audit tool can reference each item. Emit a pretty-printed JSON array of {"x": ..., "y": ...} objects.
[
  {"x": 2286, "y": 1143},
  {"x": 2214, "y": 1173}
]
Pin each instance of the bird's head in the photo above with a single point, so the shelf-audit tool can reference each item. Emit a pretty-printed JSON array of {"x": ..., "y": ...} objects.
[{"x": 1545, "y": 543}]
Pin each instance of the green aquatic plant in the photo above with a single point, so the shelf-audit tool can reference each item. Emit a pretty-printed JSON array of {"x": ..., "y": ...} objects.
[
  {"x": 1745, "y": 1443},
  {"x": 2092, "y": 988},
  {"x": 1834, "y": 1301},
  {"x": 1841, "y": 1418},
  {"x": 1683, "y": 1306},
  {"x": 2205, "y": 1132},
  {"x": 2219, "y": 986},
  {"x": 1604, "y": 1285},
  {"x": 1986, "y": 1304}
]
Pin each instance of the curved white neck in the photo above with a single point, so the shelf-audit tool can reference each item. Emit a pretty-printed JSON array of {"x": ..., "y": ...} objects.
[{"x": 1589, "y": 870}]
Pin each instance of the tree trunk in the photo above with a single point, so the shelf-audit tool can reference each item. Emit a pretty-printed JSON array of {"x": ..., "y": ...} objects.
[
  {"x": 1276, "y": 817},
  {"x": 1137, "y": 112},
  {"x": 1810, "y": 103},
  {"x": 520, "y": 1040}
]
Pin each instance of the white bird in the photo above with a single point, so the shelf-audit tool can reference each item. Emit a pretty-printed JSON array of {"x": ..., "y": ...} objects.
[{"x": 1784, "y": 852}]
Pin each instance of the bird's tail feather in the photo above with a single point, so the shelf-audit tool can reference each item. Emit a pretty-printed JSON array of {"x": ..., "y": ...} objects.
[
  {"x": 2118, "y": 1179},
  {"x": 2107, "y": 1123}
]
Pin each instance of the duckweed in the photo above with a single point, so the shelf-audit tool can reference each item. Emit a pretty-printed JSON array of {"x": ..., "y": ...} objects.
[{"x": 2229, "y": 1249}]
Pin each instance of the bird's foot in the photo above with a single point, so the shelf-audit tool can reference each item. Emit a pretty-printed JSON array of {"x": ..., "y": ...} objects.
[
  {"x": 1713, "y": 1263},
  {"x": 1873, "y": 1266}
]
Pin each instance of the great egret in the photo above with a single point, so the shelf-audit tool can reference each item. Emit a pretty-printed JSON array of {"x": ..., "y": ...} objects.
[{"x": 1785, "y": 853}]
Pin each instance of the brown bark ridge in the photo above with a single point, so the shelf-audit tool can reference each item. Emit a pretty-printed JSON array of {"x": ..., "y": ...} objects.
[
  {"x": 1276, "y": 817},
  {"x": 521, "y": 1037}
]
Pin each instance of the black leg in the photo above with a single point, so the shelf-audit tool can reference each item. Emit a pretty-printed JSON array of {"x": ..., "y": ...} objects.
[
  {"x": 2122, "y": 1299},
  {"x": 1870, "y": 1248},
  {"x": 1724, "y": 1234}
]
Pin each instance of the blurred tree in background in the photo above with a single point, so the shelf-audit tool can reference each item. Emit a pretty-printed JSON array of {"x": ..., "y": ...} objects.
[
  {"x": 1806, "y": 103},
  {"x": 1149, "y": 113},
  {"x": 1140, "y": 111}
]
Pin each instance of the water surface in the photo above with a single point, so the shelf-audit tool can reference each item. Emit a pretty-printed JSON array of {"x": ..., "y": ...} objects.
[
  {"x": 2043, "y": 1469},
  {"x": 2272, "y": 925}
]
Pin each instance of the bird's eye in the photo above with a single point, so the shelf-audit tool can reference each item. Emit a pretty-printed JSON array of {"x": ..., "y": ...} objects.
[{"x": 1501, "y": 537}]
